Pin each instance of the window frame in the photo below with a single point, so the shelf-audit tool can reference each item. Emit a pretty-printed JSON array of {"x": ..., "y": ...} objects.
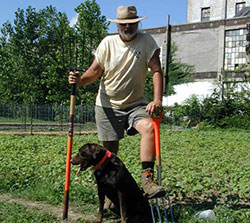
[
  {"x": 239, "y": 6},
  {"x": 205, "y": 11}
]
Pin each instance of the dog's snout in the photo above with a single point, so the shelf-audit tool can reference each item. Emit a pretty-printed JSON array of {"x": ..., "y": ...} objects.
[{"x": 72, "y": 161}]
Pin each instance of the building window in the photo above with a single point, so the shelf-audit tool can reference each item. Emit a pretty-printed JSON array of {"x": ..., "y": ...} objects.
[
  {"x": 205, "y": 14},
  {"x": 239, "y": 6},
  {"x": 235, "y": 49}
]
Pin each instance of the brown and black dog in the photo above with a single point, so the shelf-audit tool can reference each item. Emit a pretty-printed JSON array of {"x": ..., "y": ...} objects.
[{"x": 114, "y": 181}]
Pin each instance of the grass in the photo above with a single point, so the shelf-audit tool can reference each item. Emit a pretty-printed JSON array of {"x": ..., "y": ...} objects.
[
  {"x": 14, "y": 213},
  {"x": 204, "y": 169}
]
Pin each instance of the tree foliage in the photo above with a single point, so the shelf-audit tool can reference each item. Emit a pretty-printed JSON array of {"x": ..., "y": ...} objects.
[
  {"x": 179, "y": 73},
  {"x": 38, "y": 50},
  {"x": 91, "y": 28},
  {"x": 40, "y": 47},
  {"x": 231, "y": 112}
]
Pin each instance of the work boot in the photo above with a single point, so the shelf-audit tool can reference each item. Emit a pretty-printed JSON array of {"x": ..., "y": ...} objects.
[{"x": 151, "y": 189}]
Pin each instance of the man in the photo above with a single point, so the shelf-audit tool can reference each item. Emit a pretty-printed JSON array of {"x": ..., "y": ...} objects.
[{"x": 123, "y": 61}]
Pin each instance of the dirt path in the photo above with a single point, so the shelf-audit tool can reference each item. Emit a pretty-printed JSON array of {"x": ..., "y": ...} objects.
[{"x": 52, "y": 209}]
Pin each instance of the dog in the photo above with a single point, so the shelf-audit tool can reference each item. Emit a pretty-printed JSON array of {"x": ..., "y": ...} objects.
[{"x": 114, "y": 181}]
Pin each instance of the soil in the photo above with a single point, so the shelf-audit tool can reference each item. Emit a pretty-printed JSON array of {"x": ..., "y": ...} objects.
[{"x": 56, "y": 211}]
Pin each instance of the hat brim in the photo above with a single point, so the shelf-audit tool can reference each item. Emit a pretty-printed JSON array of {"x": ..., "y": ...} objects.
[{"x": 122, "y": 21}]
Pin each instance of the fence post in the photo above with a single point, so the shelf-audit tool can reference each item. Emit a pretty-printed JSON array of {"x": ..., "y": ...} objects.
[
  {"x": 31, "y": 119},
  {"x": 81, "y": 118},
  {"x": 61, "y": 116},
  {"x": 25, "y": 118}
]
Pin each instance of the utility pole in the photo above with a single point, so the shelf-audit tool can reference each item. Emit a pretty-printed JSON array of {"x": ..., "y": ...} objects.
[
  {"x": 167, "y": 48},
  {"x": 225, "y": 15}
]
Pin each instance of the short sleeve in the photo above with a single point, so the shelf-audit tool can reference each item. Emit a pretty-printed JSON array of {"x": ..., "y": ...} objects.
[
  {"x": 101, "y": 53},
  {"x": 151, "y": 47}
]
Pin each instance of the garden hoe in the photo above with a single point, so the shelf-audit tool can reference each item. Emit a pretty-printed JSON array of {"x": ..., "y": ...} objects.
[
  {"x": 70, "y": 136},
  {"x": 156, "y": 123}
]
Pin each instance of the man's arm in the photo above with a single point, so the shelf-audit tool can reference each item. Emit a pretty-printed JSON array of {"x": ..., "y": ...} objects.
[
  {"x": 92, "y": 74},
  {"x": 155, "y": 65}
]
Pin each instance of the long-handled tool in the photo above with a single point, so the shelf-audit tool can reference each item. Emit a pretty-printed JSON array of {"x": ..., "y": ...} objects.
[
  {"x": 70, "y": 134},
  {"x": 156, "y": 123},
  {"x": 69, "y": 151}
]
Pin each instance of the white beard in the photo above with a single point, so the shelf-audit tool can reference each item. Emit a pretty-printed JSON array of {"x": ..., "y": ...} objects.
[{"x": 127, "y": 36}]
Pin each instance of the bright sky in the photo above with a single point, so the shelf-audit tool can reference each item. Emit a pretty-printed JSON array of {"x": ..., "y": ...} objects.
[{"x": 156, "y": 10}]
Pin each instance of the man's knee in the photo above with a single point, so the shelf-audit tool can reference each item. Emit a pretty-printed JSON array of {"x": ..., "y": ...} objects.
[{"x": 145, "y": 126}]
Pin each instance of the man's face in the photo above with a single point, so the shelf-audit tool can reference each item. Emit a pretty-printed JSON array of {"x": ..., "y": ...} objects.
[{"x": 127, "y": 31}]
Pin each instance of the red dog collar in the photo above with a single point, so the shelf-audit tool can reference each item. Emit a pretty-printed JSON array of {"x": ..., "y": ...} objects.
[{"x": 101, "y": 164}]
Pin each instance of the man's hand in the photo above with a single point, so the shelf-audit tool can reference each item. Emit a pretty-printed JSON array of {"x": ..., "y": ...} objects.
[
  {"x": 74, "y": 77},
  {"x": 154, "y": 107}
]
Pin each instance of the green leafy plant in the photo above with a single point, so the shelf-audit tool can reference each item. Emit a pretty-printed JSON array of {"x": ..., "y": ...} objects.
[
  {"x": 231, "y": 111},
  {"x": 38, "y": 49},
  {"x": 203, "y": 169}
]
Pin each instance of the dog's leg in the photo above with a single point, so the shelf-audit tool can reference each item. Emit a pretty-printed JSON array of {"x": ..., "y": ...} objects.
[
  {"x": 101, "y": 197},
  {"x": 123, "y": 210}
]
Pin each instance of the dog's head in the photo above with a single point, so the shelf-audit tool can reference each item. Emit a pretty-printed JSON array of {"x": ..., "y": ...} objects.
[{"x": 86, "y": 156}]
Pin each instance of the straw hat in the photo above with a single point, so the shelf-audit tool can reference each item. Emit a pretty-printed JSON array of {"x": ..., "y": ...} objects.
[{"x": 127, "y": 14}]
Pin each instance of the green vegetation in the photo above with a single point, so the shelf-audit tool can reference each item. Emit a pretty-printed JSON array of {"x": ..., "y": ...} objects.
[
  {"x": 178, "y": 73},
  {"x": 231, "y": 111},
  {"x": 10, "y": 213},
  {"x": 40, "y": 47},
  {"x": 205, "y": 170}
]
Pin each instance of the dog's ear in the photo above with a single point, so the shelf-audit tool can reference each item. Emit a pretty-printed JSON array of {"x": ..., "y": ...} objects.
[
  {"x": 95, "y": 149},
  {"x": 84, "y": 151}
]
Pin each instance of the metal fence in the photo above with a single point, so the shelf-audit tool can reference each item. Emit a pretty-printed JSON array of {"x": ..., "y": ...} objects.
[
  {"x": 51, "y": 119},
  {"x": 44, "y": 118}
]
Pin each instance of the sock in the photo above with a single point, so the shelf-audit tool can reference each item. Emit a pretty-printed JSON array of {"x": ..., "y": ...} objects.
[{"x": 147, "y": 164}]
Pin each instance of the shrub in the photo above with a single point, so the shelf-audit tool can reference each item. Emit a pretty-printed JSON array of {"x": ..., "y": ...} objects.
[{"x": 232, "y": 109}]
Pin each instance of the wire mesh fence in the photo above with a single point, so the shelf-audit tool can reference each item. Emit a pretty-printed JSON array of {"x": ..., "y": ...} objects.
[
  {"x": 44, "y": 118},
  {"x": 51, "y": 119}
]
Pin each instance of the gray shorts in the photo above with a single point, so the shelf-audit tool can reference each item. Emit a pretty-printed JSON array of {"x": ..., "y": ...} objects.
[{"x": 111, "y": 123}]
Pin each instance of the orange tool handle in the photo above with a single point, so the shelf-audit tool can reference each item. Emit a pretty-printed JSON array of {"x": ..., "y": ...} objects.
[
  {"x": 156, "y": 123},
  {"x": 69, "y": 151}
]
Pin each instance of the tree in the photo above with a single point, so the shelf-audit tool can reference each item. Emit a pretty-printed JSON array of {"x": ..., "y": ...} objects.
[
  {"x": 38, "y": 50},
  {"x": 178, "y": 73},
  {"x": 33, "y": 47},
  {"x": 5, "y": 63},
  {"x": 91, "y": 28}
]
